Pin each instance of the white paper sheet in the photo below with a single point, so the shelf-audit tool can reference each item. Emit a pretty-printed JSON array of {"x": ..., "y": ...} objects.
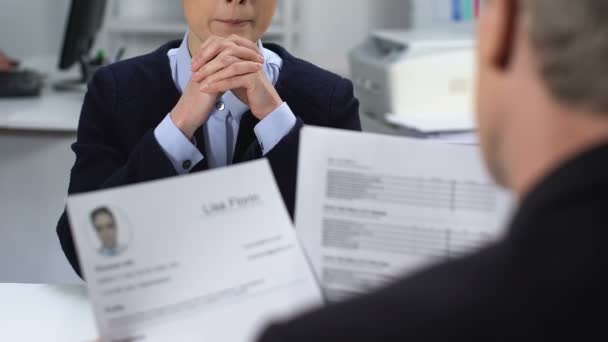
[
  {"x": 371, "y": 208},
  {"x": 429, "y": 123},
  {"x": 207, "y": 257}
]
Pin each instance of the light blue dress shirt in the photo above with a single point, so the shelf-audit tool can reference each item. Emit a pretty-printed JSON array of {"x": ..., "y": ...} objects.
[{"x": 221, "y": 130}]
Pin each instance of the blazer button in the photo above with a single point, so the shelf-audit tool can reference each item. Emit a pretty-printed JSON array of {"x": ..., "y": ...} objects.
[{"x": 187, "y": 164}]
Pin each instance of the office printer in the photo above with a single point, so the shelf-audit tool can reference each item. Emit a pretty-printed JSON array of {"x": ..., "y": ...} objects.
[{"x": 425, "y": 79}]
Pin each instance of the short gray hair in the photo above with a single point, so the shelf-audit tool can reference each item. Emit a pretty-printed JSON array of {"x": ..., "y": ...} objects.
[{"x": 570, "y": 38}]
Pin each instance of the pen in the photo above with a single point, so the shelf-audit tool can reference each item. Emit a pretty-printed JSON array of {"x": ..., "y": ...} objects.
[{"x": 119, "y": 54}]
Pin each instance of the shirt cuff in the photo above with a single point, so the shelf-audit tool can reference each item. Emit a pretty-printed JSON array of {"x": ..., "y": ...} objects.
[
  {"x": 182, "y": 153},
  {"x": 275, "y": 127}
]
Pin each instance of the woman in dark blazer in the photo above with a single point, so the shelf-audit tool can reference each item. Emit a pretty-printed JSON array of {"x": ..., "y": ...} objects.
[{"x": 216, "y": 98}]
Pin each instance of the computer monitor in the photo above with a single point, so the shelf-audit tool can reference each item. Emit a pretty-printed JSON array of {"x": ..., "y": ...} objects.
[{"x": 84, "y": 22}]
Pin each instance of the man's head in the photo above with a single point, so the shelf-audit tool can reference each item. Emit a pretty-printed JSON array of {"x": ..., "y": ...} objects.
[
  {"x": 105, "y": 226},
  {"x": 543, "y": 84},
  {"x": 247, "y": 18}
]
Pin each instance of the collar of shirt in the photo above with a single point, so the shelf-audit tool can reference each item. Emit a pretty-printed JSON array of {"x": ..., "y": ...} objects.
[{"x": 180, "y": 61}]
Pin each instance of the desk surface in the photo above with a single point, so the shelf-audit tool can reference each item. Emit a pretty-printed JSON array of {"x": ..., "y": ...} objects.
[
  {"x": 45, "y": 313},
  {"x": 56, "y": 112},
  {"x": 53, "y": 111}
]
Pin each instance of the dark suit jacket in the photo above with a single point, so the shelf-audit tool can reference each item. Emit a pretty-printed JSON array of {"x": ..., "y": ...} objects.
[
  {"x": 546, "y": 281},
  {"x": 127, "y": 100}
]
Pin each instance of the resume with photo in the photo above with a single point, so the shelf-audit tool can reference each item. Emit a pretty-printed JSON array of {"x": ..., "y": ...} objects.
[
  {"x": 206, "y": 257},
  {"x": 371, "y": 208}
]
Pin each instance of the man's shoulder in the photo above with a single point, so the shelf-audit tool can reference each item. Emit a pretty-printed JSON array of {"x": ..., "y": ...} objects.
[
  {"x": 134, "y": 94},
  {"x": 472, "y": 284},
  {"x": 449, "y": 300},
  {"x": 139, "y": 72}
]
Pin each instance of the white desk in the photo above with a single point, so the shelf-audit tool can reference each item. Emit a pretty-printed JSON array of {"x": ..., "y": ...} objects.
[
  {"x": 45, "y": 313},
  {"x": 52, "y": 112},
  {"x": 35, "y": 139}
]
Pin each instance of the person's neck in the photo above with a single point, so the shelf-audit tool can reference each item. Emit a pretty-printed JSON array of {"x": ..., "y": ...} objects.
[
  {"x": 560, "y": 135},
  {"x": 194, "y": 43}
]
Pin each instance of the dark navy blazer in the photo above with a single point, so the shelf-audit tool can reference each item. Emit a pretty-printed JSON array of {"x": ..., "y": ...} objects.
[{"x": 125, "y": 102}]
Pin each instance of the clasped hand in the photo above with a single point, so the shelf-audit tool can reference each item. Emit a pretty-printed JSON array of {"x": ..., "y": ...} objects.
[{"x": 220, "y": 65}]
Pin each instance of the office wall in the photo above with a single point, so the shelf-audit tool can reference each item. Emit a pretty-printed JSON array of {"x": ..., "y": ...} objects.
[
  {"x": 32, "y": 27},
  {"x": 327, "y": 29},
  {"x": 330, "y": 28}
]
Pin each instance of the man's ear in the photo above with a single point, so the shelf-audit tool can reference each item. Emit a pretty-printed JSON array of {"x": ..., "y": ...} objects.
[{"x": 500, "y": 24}]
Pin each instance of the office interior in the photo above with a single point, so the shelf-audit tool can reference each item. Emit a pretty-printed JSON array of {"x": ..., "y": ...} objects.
[{"x": 350, "y": 38}]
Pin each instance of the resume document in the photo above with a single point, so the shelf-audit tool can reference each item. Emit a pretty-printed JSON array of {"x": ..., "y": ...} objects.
[
  {"x": 372, "y": 208},
  {"x": 206, "y": 257}
]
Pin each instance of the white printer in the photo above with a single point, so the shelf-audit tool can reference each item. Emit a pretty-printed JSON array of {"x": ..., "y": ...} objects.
[{"x": 422, "y": 80}]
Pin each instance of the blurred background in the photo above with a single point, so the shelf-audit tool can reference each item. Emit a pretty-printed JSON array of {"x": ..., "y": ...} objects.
[
  {"x": 320, "y": 31},
  {"x": 402, "y": 55}
]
